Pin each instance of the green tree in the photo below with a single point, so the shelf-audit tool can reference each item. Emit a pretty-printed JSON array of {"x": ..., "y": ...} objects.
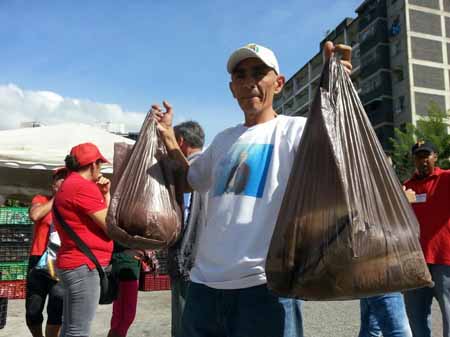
[{"x": 433, "y": 128}]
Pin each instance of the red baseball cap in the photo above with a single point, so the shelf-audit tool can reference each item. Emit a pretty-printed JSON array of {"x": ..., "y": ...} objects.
[{"x": 87, "y": 153}]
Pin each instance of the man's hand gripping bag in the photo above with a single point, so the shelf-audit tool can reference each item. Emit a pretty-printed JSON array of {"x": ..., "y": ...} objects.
[
  {"x": 345, "y": 229},
  {"x": 144, "y": 212}
]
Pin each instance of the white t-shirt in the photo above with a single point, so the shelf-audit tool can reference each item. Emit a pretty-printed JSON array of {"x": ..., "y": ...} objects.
[{"x": 246, "y": 171}]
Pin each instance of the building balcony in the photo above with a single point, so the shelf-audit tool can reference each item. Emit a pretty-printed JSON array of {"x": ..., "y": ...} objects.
[
  {"x": 301, "y": 79},
  {"x": 289, "y": 107},
  {"x": 288, "y": 90},
  {"x": 301, "y": 98},
  {"x": 373, "y": 35},
  {"x": 380, "y": 111},
  {"x": 316, "y": 65},
  {"x": 303, "y": 111},
  {"x": 374, "y": 61},
  {"x": 384, "y": 133},
  {"x": 369, "y": 11},
  {"x": 376, "y": 87}
]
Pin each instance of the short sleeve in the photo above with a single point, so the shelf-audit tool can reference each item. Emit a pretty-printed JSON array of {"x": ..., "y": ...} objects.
[
  {"x": 295, "y": 131},
  {"x": 200, "y": 170},
  {"x": 39, "y": 199},
  {"x": 89, "y": 199}
]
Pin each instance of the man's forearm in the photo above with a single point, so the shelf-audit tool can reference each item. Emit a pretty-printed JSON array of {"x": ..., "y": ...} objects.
[
  {"x": 107, "y": 197},
  {"x": 38, "y": 211},
  {"x": 174, "y": 151}
]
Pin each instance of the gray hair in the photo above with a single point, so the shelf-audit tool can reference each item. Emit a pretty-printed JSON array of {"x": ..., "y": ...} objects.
[{"x": 191, "y": 132}]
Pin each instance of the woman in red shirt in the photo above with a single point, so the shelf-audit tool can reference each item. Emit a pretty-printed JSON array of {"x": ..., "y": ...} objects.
[{"x": 82, "y": 201}]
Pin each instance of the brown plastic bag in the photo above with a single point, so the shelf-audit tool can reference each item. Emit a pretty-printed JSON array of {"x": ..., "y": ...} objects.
[
  {"x": 345, "y": 229},
  {"x": 144, "y": 212}
]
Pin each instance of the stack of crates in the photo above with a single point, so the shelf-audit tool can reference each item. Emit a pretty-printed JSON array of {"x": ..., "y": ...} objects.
[
  {"x": 151, "y": 282},
  {"x": 15, "y": 241}
]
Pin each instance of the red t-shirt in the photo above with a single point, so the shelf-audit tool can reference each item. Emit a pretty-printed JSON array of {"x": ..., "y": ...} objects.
[
  {"x": 76, "y": 199},
  {"x": 433, "y": 212},
  {"x": 41, "y": 228}
]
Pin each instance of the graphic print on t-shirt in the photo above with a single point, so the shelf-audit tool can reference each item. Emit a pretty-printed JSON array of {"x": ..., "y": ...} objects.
[{"x": 243, "y": 170}]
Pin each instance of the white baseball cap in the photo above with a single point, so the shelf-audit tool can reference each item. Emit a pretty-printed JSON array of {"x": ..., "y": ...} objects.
[{"x": 253, "y": 50}]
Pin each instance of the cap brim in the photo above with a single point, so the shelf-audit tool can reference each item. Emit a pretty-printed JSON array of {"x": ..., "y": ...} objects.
[
  {"x": 240, "y": 55},
  {"x": 423, "y": 150},
  {"x": 104, "y": 160}
]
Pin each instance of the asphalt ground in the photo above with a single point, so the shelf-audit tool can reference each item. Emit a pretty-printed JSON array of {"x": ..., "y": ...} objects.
[{"x": 321, "y": 319}]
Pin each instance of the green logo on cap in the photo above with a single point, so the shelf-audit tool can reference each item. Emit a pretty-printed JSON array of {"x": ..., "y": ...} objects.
[{"x": 253, "y": 47}]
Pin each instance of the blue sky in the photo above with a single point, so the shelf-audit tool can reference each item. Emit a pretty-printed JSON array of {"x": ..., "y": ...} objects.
[{"x": 109, "y": 60}]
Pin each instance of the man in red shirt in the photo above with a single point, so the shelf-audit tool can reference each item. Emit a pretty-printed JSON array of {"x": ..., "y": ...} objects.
[
  {"x": 432, "y": 195},
  {"x": 40, "y": 284}
]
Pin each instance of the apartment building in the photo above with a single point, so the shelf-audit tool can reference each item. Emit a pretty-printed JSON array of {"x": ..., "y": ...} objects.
[{"x": 401, "y": 55}]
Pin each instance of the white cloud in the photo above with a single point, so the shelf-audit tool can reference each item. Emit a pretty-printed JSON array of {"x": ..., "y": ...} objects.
[{"x": 18, "y": 105}]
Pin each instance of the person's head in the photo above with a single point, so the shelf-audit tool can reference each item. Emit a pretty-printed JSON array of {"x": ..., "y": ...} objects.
[
  {"x": 425, "y": 157},
  {"x": 255, "y": 79},
  {"x": 85, "y": 159},
  {"x": 190, "y": 137},
  {"x": 58, "y": 177}
]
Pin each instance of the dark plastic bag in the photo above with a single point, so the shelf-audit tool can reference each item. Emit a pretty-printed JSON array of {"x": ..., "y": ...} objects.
[
  {"x": 144, "y": 212},
  {"x": 345, "y": 229}
]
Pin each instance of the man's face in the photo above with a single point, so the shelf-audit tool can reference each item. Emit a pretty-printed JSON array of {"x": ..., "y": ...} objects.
[
  {"x": 254, "y": 85},
  {"x": 182, "y": 144},
  {"x": 96, "y": 170},
  {"x": 56, "y": 185},
  {"x": 425, "y": 162}
]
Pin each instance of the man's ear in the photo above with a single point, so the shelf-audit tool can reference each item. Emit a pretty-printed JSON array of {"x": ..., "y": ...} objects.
[
  {"x": 180, "y": 141},
  {"x": 230, "y": 85},
  {"x": 280, "y": 83}
]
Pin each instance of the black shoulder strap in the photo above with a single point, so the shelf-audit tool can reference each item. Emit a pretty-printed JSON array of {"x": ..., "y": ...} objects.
[{"x": 80, "y": 243}]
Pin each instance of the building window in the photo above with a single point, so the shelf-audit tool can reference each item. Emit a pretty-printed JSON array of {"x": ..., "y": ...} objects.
[
  {"x": 367, "y": 33},
  {"x": 399, "y": 105},
  {"x": 370, "y": 85},
  {"x": 398, "y": 74},
  {"x": 395, "y": 27},
  {"x": 288, "y": 90},
  {"x": 289, "y": 107},
  {"x": 396, "y": 48}
]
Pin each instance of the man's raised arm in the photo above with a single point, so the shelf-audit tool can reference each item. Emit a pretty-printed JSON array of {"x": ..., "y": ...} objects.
[{"x": 164, "y": 120}]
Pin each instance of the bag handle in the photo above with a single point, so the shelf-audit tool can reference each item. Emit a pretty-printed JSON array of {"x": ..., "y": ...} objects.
[{"x": 80, "y": 243}]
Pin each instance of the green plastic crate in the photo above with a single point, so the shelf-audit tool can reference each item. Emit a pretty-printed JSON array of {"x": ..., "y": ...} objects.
[
  {"x": 15, "y": 216},
  {"x": 10, "y": 271}
]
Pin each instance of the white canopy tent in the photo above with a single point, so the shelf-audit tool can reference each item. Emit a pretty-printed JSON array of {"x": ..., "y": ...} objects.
[{"x": 28, "y": 155}]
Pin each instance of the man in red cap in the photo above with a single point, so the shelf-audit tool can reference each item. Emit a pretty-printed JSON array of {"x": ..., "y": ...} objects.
[
  {"x": 40, "y": 283},
  {"x": 431, "y": 185}
]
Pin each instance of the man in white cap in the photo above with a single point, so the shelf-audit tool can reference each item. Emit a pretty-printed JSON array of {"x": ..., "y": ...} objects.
[{"x": 228, "y": 295}]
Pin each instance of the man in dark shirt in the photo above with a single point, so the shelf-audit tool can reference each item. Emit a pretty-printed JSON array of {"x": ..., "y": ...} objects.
[{"x": 190, "y": 138}]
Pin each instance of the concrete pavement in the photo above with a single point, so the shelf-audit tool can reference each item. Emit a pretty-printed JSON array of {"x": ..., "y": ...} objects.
[{"x": 321, "y": 319}]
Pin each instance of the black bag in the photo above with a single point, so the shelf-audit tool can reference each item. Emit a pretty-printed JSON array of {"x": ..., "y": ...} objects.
[{"x": 108, "y": 282}]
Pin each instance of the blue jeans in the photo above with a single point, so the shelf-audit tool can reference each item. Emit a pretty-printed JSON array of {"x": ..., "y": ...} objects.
[
  {"x": 384, "y": 314},
  {"x": 179, "y": 289},
  {"x": 82, "y": 293},
  {"x": 249, "y": 312},
  {"x": 418, "y": 302}
]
